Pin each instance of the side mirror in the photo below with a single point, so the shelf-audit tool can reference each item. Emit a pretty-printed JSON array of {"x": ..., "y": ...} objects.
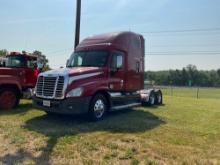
[
  {"x": 34, "y": 65},
  {"x": 40, "y": 66},
  {"x": 67, "y": 62}
]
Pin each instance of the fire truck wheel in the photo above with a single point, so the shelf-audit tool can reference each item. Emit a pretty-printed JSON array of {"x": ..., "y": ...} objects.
[
  {"x": 9, "y": 98},
  {"x": 159, "y": 98},
  {"x": 98, "y": 107}
]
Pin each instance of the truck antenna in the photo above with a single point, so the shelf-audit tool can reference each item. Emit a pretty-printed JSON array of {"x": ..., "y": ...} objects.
[{"x": 78, "y": 20}]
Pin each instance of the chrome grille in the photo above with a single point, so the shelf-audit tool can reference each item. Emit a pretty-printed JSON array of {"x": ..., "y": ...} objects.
[
  {"x": 59, "y": 89},
  {"x": 50, "y": 87}
]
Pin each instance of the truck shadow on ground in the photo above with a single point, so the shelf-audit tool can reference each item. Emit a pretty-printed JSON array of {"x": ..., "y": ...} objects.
[{"x": 57, "y": 126}]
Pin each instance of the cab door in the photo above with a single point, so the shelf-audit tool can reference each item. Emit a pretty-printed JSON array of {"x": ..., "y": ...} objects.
[{"x": 117, "y": 72}]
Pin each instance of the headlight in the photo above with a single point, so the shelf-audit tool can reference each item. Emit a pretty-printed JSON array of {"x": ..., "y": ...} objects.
[{"x": 75, "y": 92}]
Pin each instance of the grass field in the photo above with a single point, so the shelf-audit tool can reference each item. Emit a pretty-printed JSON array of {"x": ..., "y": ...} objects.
[
  {"x": 183, "y": 131},
  {"x": 205, "y": 93}
]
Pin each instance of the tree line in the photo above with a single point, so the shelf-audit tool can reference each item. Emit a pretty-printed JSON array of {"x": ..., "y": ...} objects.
[{"x": 188, "y": 76}]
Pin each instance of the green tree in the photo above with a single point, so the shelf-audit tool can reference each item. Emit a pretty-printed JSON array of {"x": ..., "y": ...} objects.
[
  {"x": 3, "y": 53},
  {"x": 193, "y": 74},
  {"x": 42, "y": 59},
  {"x": 218, "y": 72},
  {"x": 182, "y": 77},
  {"x": 185, "y": 77}
]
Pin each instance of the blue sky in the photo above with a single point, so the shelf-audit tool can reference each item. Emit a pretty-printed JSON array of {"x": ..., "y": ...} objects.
[{"x": 48, "y": 26}]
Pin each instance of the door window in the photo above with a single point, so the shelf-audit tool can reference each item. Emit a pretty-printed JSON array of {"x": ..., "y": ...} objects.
[
  {"x": 117, "y": 61},
  {"x": 16, "y": 62},
  {"x": 32, "y": 64}
]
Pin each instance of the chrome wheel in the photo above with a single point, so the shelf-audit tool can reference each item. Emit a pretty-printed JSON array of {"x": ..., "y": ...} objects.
[{"x": 99, "y": 108}]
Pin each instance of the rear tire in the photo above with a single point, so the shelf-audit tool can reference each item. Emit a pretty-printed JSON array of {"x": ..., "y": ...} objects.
[
  {"x": 98, "y": 107},
  {"x": 9, "y": 98},
  {"x": 159, "y": 98},
  {"x": 152, "y": 98}
]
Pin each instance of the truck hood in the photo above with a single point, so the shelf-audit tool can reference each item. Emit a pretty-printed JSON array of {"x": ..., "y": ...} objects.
[
  {"x": 10, "y": 71},
  {"x": 71, "y": 71},
  {"x": 76, "y": 73}
]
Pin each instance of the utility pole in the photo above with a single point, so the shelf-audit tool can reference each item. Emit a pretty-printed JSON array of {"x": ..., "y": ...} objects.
[{"x": 78, "y": 20}]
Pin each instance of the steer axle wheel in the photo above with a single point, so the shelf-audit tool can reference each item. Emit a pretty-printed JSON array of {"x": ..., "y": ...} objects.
[
  {"x": 9, "y": 98},
  {"x": 98, "y": 107}
]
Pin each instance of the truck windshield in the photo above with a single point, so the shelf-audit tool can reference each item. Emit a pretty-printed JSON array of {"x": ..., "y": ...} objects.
[
  {"x": 15, "y": 62},
  {"x": 88, "y": 59}
]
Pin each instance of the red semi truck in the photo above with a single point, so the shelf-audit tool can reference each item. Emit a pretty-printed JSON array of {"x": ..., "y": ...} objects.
[
  {"x": 18, "y": 76},
  {"x": 105, "y": 73}
]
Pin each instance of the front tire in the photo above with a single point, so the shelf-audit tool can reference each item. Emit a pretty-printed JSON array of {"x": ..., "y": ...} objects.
[
  {"x": 9, "y": 98},
  {"x": 98, "y": 107}
]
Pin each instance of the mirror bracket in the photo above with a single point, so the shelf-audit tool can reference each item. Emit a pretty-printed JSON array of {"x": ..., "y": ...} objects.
[{"x": 67, "y": 62}]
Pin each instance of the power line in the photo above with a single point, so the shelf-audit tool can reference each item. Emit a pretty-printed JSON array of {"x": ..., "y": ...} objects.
[
  {"x": 182, "y": 54},
  {"x": 164, "y": 53},
  {"x": 178, "y": 35},
  {"x": 190, "y": 51},
  {"x": 184, "y": 45},
  {"x": 59, "y": 51},
  {"x": 185, "y": 30}
]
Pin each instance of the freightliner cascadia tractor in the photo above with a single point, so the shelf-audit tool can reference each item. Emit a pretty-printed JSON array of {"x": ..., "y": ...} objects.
[
  {"x": 18, "y": 76},
  {"x": 105, "y": 73}
]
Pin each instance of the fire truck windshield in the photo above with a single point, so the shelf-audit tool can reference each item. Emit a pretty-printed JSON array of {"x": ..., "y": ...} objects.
[
  {"x": 15, "y": 62},
  {"x": 88, "y": 59}
]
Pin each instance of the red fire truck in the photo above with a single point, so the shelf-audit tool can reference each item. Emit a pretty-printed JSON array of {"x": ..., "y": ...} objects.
[
  {"x": 105, "y": 73},
  {"x": 18, "y": 76}
]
